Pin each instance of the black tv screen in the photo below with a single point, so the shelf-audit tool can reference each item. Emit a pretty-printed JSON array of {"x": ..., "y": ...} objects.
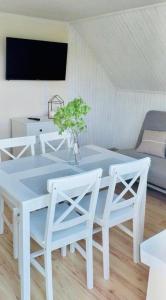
[{"x": 35, "y": 60}]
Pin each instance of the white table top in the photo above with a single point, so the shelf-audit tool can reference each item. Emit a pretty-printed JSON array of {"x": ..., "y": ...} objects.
[
  {"x": 153, "y": 250},
  {"x": 26, "y": 178}
]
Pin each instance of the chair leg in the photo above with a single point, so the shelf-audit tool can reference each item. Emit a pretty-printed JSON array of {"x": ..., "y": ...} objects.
[
  {"x": 15, "y": 233},
  {"x": 105, "y": 242},
  {"x": 48, "y": 273},
  {"x": 138, "y": 235},
  {"x": 136, "y": 251},
  {"x": 1, "y": 215},
  {"x": 64, "y": 251},
  {"x": 72, "y": 248},
  {"x": 89, "y": 262},
  {"x": 137, "y": 239},
  {"x": 19, "y": 250}
]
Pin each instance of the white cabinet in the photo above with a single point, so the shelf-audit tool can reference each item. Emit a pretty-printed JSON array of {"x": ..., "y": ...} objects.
[{"x": 24, "y": 127}]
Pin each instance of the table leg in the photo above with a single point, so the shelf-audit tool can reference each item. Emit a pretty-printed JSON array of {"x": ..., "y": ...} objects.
[{"x": 24, "y": 246}]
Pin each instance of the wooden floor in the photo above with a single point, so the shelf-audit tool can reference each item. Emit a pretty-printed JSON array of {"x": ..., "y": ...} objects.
[{"x": 127, "y": 282}]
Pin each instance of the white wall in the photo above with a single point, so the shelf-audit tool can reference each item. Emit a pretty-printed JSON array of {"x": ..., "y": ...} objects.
[
  {"x": 131, "y": 45},
  {"x": 25, "y": 98},
  {"x": 116, "y": 115},
  {"x": 87, "y": 78},
  {"x": 130, "y": 109}
]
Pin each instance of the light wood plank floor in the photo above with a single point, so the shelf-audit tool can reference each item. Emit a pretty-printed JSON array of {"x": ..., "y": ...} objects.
[{"x": 127, "y": 282}]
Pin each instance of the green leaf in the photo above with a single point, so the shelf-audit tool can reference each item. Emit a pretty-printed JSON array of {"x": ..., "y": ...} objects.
[{"x": 71, "y": 116}]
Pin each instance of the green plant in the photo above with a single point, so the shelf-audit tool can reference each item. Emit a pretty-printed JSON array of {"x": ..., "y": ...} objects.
[{"x": 71, "y": 116}]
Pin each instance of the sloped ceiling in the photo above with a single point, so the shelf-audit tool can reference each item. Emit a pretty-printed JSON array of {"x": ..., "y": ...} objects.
[
  {"x": 68, "y": 10},
  {"x": 131, "y": 46}
]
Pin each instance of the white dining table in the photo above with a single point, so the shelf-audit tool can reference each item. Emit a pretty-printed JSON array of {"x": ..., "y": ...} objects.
[{"x": 24, "y": 182}]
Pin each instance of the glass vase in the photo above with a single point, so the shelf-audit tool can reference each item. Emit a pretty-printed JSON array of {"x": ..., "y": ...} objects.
[{"x": 74, "y": 150}]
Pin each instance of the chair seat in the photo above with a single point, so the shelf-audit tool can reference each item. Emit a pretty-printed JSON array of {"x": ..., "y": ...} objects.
[
  {"x": 38, "y": 224},
  {"x": 116, "y": 217}
]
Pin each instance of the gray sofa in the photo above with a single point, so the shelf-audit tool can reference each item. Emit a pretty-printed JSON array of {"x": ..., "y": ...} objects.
[{"x": 154, "y": 120}]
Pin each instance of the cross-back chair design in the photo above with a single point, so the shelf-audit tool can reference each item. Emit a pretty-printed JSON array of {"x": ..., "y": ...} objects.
[
  {"x": 129, "y": 204},
  {"x": 5, "y": 144},
  {"x": 47, "y": 138},
  {"x": 24, "y": 142},
  {"x": 67, "y": 222}
]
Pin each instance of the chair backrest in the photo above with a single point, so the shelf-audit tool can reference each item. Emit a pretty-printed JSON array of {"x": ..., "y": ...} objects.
[
  {"x": 23, "y": 142},
  {"x": 154, "y": 120},
  {"x": 127, "y": 174},
  {"x": 72, "y": 190},
  {"x": 47, "y": 138}
]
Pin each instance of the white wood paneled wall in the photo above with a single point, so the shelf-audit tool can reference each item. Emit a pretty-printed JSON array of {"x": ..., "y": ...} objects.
[
  {"x": 86, "y": 78},
  {"x": 131, "y": 46},
  {"x": 129, "y": 50},
  {"x": 131, "y": 108}
]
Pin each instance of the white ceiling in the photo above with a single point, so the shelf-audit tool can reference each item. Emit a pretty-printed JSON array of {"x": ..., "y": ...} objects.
[{"x": 69, "y": 10}]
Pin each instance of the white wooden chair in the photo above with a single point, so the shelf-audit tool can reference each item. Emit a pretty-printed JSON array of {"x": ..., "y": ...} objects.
[
  {"x": 114, "y": 209},
  {"x": 61, "y": 225},
  {"x": 24, "y": 142},
  {"x": 47, "y": 138},
  {"x": 5, "y": 145}
]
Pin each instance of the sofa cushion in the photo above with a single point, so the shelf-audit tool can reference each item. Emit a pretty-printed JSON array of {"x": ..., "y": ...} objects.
[
  {"x": 157, "y": 172},
  {"x": 153, "y": 142},
  {"x": 154, "y": 120}
]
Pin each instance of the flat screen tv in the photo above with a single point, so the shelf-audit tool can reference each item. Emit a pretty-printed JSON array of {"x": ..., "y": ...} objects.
[{"x": 35, "y": 60}]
